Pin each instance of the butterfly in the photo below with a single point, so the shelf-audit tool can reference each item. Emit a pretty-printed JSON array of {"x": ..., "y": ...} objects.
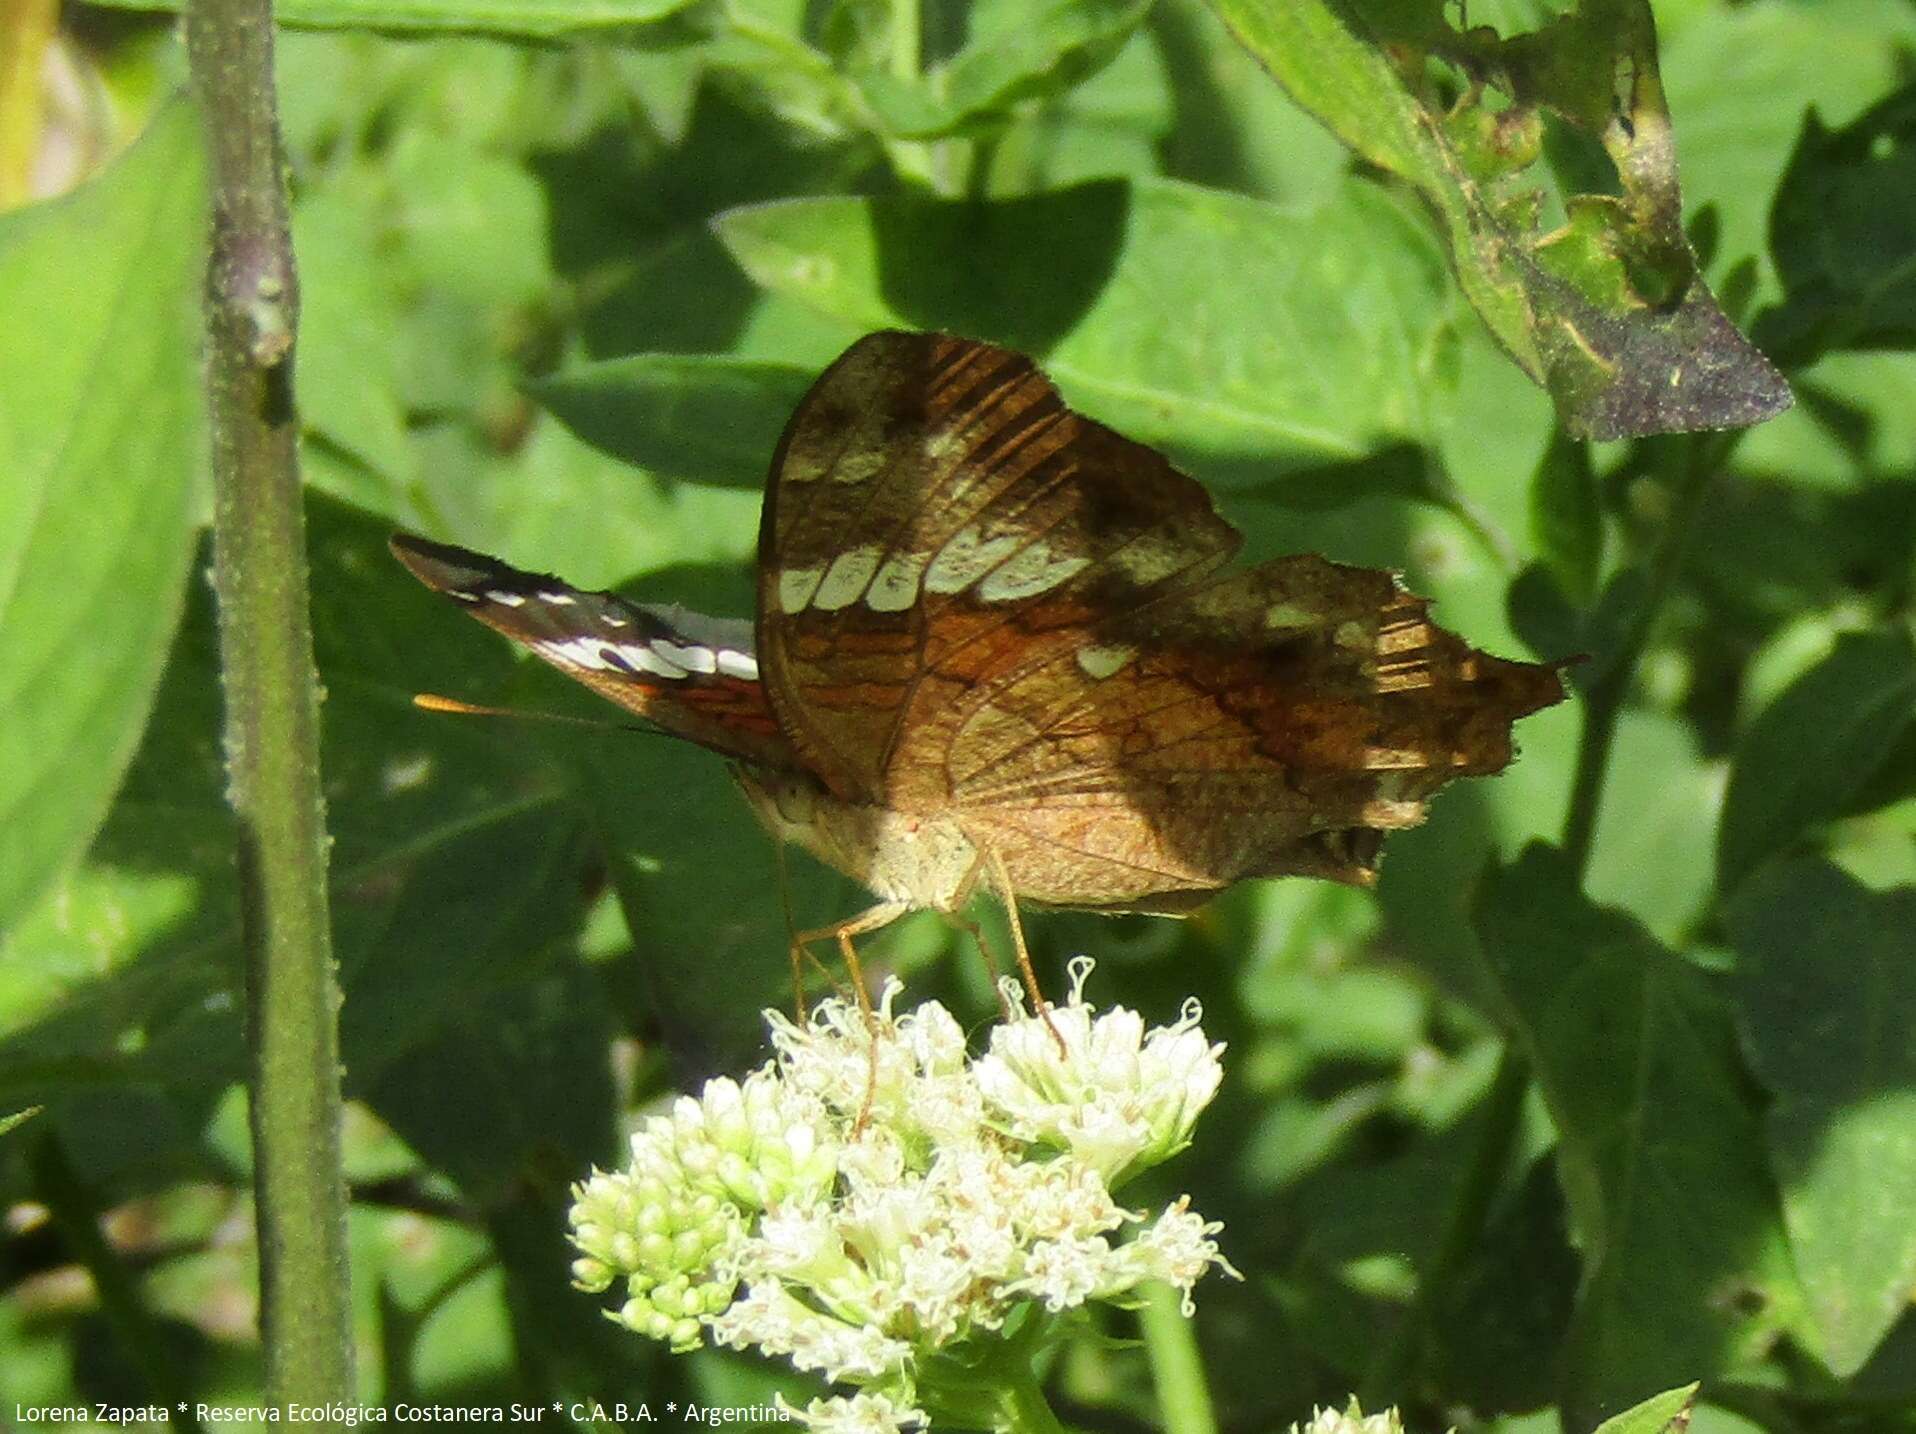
[{"x": 996, "y": 643}]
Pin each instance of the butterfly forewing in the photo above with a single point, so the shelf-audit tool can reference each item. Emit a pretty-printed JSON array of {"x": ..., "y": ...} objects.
[
  {"x": 693, "y": 676},
  {"x": 938, "y": 521}
]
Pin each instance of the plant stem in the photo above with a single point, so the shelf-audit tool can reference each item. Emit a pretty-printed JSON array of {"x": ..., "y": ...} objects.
[
  {"x": 272, "y": 713},
  {"x": 907, "y": 26},
  {"x": 1603, "y": 700},
  {"x": 1177, "y": 1367},
  {"x": 1022, "y": 1406},
  {"x": 1703, "y": 457},
  {"x": 1385, "y": 1381},
  {"x": 914, "y": 158}
]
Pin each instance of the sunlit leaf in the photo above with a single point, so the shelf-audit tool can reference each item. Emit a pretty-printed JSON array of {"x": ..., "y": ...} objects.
[
  {"x": 1015, "y": 51},
  {"x": 1828, "y": 1011},
  {"x": 100, "y": 448},
  {"x": 1233, "y": 331},
  {"x": 1660, "y": 1149},
  {"x": 711, "y": 420},
  {"x": 1606, "y": 310}
]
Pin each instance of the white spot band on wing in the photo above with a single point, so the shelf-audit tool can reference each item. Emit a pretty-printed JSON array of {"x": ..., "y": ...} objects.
[
  {"x": 1038, "y": 569},
  {"x": 691, "y": 658},
  {"x": 846, "y": 579},
  {"x": 741, "y": 665},
  {"x": 895, "y": 588},
  {"x": 968, "y": 556},
  {"x": 590, "y": 652},
  {"x": 796, "y": 586}
]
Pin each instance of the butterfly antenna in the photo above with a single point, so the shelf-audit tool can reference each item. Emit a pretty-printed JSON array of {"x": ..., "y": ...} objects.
[{"x": 433, "y": 702}]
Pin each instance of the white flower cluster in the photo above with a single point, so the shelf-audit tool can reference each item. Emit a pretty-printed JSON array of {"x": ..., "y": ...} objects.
[
  {"x": 1352, "y": 1421},
  {"x": 870, "y": 1199}
]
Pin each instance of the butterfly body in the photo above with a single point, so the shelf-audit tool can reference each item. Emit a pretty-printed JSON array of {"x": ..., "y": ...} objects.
[
  {"x": 994, "y": 640},
  {"x": 920, "y": 862}
]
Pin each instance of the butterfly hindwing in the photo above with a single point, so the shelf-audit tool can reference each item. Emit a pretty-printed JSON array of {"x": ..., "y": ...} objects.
[{"x": 1271, "y": 722}]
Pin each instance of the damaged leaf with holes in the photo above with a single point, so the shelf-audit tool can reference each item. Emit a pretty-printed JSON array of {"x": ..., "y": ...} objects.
[{"x": 1594, "y": 290}]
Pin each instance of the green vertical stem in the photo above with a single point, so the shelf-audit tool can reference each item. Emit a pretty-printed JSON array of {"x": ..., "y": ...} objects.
[
  {"x": 272, "y": 713},
  {"x": 1603, "y": 701},
  {"x": 1387, "y": 1380},
  {"x": 912, "y": 158},
  {"x": 907, "y": 44},
  {"x": 1177, "y": 1367}
]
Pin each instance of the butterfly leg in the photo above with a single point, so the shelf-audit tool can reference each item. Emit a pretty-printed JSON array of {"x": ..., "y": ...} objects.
[
  {"x": 977, "y": 934},
  {"x": 800, "y": 953},
  {"x": 842, "y": 932},
  {"x": 878, "y": 916},
  {"x": 1002, "y": 880}
]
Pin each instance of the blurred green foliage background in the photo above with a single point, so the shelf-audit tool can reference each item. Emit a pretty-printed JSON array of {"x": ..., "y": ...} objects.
[{"x": 561, "y": 282}]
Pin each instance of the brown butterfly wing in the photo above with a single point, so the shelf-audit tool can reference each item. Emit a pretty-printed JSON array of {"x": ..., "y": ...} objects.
[
  {"x": 693, "y": 676},
  {"x": 975, "y": 602},
  {"x": 1273, "y": 722},
  {"x": 939, "y": 521}
]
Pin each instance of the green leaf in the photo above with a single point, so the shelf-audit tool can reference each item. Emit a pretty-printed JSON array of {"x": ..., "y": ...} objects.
[
  {"x": 1739, "y": 80},
  {"x": 1814, "y": 748},
  {"x": 634, "y": 524},
  {"x": 1233, "y": 331},
  {"x": 122, "y": 1004},
  {"x": 1017, "y": 50},
  {"x": 1659, "y": 1414},
  {"x": 1235, "y": 129},
  {"x": 709, "y": 419},
  {"x": 1660, "y": 1153},
  {"x": 1843, "y": 232},
  {"x": 510, "y": 1081},
  {"x": 349, "y": 338},
  {"x": 520, "y": 19},
  {"x": 474, "y": 224},
  {"x": 664, "y": 83},
  {"x": 1497, "y": 1329},
  {"x": 1109, "y": 126},
  {"x": 100, "y": 444},
  {"x": 1655, "y": 825},
  {"x": 1827, "y": 997},
  {"x": 1608, "y": 311}
]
